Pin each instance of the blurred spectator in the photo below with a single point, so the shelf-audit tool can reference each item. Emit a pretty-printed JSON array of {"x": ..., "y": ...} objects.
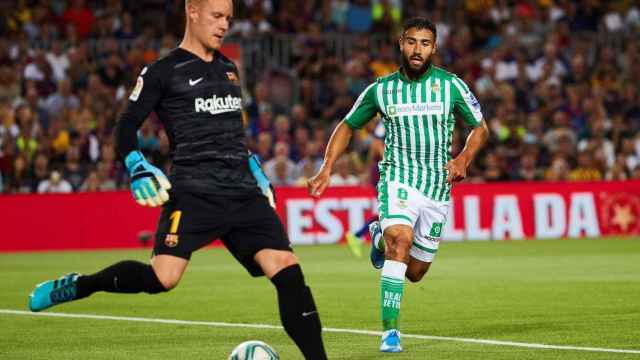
[
  {"x": 527, "y": 171},
  {"x": 255, "y": 25},
  {"x": 558, "y": 171},
  {"x": 40, "y": 72},
  {"x": 258, "y": 105},
  {"x": 307, "y": 172},
  {"x": 58, "y": 60},
  {"x": 263, "y": 147},
  {"x": 386, "y": 15},
  {"x": 80, "y": 67},
  {"x": 385, "y": 63},
  {"x": 63, "y": 99},
  {"x": 359, "y": 16},
  {"x": 26, "y": 141},
  {"x": 598, "y": 142},
  {"x": 107, "y": 183},
  {"x": 91, "y": 183},
  {"x": 342, "y": 175},
  {"x": 8, "y": 152},
  {"x": 59, "y": 138},
  {"x": 264, "y": 122},
  {"x": 281, "y": 170},
  {"x": 74, "y": 171},
  {"x": 585, "y": 171},
  {"x": 80, "y": 16},
  {"x": 311, "y": 159},
  {"x": 9, "y": 130},
  {"x": 38, "y": 113},
  {"x": 494, "y": 168},
  {"x": 83, "y": 137},
  {"x": 549, "y": 67},
  {"x": 40, "y": 171},
  {"x": 300, "y": 118},
  {"x": 111, "y": 72},
  {"x": 281, "y": 129},
  {"x": 301, "y": 140},
  {"x": 617, "y": 171},
  {"x": 9, "y": 84},
  {"x": 55, "y": 184},
  {"x": 629, "y": 154},
  {"x": 20, "y": 178}
]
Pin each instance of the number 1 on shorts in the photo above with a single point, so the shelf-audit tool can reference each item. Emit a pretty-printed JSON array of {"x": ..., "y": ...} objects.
[{"x": 175, "y": 221}]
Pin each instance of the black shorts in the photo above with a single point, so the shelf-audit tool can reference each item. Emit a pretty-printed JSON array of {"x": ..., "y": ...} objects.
[{"x": 245, "y": 226}]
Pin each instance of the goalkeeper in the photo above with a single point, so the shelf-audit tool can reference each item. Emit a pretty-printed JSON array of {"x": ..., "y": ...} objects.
[{"x": 214, "y": 187}]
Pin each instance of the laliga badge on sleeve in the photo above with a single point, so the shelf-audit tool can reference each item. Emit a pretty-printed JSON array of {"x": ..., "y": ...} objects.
[{"x": 137, "y": 90}]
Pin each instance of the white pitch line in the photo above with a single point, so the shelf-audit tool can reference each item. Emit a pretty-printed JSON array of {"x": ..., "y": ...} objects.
[{"x": 334, "y": 330}]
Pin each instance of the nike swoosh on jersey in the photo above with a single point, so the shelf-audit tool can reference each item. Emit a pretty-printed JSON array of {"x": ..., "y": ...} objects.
[{"x": 194, "y": 82}]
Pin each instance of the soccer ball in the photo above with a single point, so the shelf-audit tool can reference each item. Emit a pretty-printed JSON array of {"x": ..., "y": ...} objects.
[{"x": 253, "y": 350}]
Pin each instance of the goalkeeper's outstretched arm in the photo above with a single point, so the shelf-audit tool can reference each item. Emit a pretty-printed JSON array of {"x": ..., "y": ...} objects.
[{"x": 149, "y": 185}]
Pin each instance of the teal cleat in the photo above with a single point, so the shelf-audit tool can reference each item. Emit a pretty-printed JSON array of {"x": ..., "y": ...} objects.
[
  {"x": 53, "y": 292},
  {"x": 377, "y": 256},
  {"x": 391, "y": 341}
]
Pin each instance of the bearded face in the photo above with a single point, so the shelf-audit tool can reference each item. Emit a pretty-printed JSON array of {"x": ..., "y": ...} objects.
[{"x": 417, "y": 48}]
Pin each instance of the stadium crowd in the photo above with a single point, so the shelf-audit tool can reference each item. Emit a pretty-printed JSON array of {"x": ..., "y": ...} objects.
[{"x": 559, "y": 83}]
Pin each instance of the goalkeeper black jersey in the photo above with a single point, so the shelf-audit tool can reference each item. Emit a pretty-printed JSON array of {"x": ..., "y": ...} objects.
[{"x": 199, "y": 104}]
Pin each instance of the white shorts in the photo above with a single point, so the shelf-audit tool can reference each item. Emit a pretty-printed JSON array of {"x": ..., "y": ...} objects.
[{"x": 399, "y": 204}]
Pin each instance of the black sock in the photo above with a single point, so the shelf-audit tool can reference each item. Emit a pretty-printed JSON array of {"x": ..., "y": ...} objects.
[
  {"x": 127, "y": 277},
  {"x": 298, "y": 312}
]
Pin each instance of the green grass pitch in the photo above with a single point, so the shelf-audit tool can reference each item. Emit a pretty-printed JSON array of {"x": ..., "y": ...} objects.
[{"x": 582, "y": 293}]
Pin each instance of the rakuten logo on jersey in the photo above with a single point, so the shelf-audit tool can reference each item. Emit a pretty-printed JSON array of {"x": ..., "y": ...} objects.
[{"x": 218, "y": 105}]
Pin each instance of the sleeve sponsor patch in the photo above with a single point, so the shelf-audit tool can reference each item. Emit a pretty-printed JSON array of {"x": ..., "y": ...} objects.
[
  {"x": 471, "y": 100},
  {"x": 137, "y": 90}
]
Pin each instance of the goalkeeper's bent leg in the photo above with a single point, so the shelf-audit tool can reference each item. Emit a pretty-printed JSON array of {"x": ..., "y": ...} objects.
[{"x": 127, "y": 277}]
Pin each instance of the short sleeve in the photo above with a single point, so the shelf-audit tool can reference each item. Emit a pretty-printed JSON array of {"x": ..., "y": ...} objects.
[
  {"x": 465, "y": 103},
  {"x": 364, "y": 109}
]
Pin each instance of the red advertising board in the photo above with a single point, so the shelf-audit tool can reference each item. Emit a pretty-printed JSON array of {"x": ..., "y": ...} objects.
[
  {"x": 478, "y": 212},
  {"x": 73, "y": 221},
  {"x": 497, "y": 211}
]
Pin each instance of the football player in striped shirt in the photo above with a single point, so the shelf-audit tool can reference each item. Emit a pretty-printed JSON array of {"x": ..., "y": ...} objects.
[{"x": 417, "y": 104}]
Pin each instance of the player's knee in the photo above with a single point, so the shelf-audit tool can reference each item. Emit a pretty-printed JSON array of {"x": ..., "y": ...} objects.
[
  {"x": 166, "y": 281},
  {"x": 416, "y": 275},
  {"x": 169, "y": 283},
  {"x": 284, "y": 259},
  {"x": 398, "y": 244},
  {"x": 398, "y": 238},
  {"x": 273, "y": 261}
]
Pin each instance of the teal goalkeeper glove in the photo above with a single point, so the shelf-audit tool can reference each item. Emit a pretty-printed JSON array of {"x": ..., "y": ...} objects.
[
  {"x": 263, "y": 182},
  {"x": 148, "y": 184}
]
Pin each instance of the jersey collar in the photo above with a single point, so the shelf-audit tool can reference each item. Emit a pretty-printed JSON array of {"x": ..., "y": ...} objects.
[
  {"x": 216, "y": 55},
  {"x": 421, "y": 78}
]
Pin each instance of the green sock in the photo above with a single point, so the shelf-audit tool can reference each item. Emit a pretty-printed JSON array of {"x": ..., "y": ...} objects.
[{"x": 391, "y": 289}]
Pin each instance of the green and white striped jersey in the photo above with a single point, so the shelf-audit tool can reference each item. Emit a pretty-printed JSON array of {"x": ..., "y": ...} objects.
[{"x": 419, "y": 121}]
